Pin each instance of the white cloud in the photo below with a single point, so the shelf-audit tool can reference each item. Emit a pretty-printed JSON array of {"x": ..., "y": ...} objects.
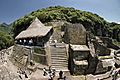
[{"x": 118, "y": 22}]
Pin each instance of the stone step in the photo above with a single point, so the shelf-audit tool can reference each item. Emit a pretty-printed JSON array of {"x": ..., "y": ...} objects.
[
  {"x": 19, "y": 58},
  {"x": 59, "y": 61},
  {"x": 58, "y": 53},
  {"x": 64, "y": 54},
  {"x": 57, "y": 58},
  {"x": 53, "y": 47},
  {"x": 56, "y": 50},
  {"x": 60, "y": 64},
  {"x": 61, "y": 56},
  {"x": 60, "y": 67}
]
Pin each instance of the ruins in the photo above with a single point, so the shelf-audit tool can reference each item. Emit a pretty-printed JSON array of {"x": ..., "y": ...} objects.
[{"x": 72, "y": 50}]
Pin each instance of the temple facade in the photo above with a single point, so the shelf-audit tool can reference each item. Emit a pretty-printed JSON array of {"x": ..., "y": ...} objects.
[
  {"x": 36, "y": 38},
  {"x": 37, "y": 34}
]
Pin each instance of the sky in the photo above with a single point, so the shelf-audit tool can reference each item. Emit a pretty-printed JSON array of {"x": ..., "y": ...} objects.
[{"x": 11, "y": 10}]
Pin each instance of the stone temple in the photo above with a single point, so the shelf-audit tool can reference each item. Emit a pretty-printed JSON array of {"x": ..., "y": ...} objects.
[{"x": 76, "y": 53}]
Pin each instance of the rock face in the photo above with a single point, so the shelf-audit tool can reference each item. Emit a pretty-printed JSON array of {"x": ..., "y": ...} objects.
[
  {"x": 20, "y": 56},
  {"x": 101, "y": 50},
  {"x": 7, "y": 71},
  {"x": 75, "y": 34},
  {"x": 5, "y": 74}
]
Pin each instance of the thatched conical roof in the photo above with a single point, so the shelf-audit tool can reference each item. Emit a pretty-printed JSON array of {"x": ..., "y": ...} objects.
[
  {"x": 36, "y": 24},
  {"x": 36, "y": 29}
]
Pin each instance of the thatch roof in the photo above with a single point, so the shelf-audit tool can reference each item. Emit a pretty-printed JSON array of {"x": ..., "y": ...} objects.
[
  {"x": 36, "y": 29},
  {"x": 79, "y": 47}
]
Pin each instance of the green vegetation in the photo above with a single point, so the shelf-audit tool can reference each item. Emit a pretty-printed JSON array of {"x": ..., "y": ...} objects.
[
  {"x": 92, "y": 22},
  {"x": 5, "y": 40},
  {"x": 4, "y": 28},
  {"x": 59, "y": 13},
  {"x": 114, "y": 30}
]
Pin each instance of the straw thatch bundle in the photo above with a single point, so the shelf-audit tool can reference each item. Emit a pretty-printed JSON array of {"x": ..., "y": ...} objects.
[{"x": 36, "y": 29}]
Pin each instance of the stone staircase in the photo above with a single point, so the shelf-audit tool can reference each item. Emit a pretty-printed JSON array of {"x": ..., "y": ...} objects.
[{"x": 59, "y": 58}]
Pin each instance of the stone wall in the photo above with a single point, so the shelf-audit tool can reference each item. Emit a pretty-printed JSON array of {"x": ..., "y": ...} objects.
[
  {"x": 77, "y": 62},
  {"x": 92, "y": 65},
  {"x": 101, "y": 49},
  {"x": 83, "y": 55},
  {"x": 80, "y": 69},
  {"x": 75, "y": 34},
  {"x": 101, "y": 68},
  {"x": 23, "y": 55},
  {"x": 40, "y": 55},
  {"x": 42, "y": 59},
  {"x": 19, "y": 57}
]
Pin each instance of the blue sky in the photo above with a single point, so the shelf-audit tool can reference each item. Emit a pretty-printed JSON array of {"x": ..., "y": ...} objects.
[{"x": 10, "y": 10}]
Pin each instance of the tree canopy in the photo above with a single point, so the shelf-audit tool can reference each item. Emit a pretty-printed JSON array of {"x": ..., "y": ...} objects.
[{"x": 6, "y": 40}]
